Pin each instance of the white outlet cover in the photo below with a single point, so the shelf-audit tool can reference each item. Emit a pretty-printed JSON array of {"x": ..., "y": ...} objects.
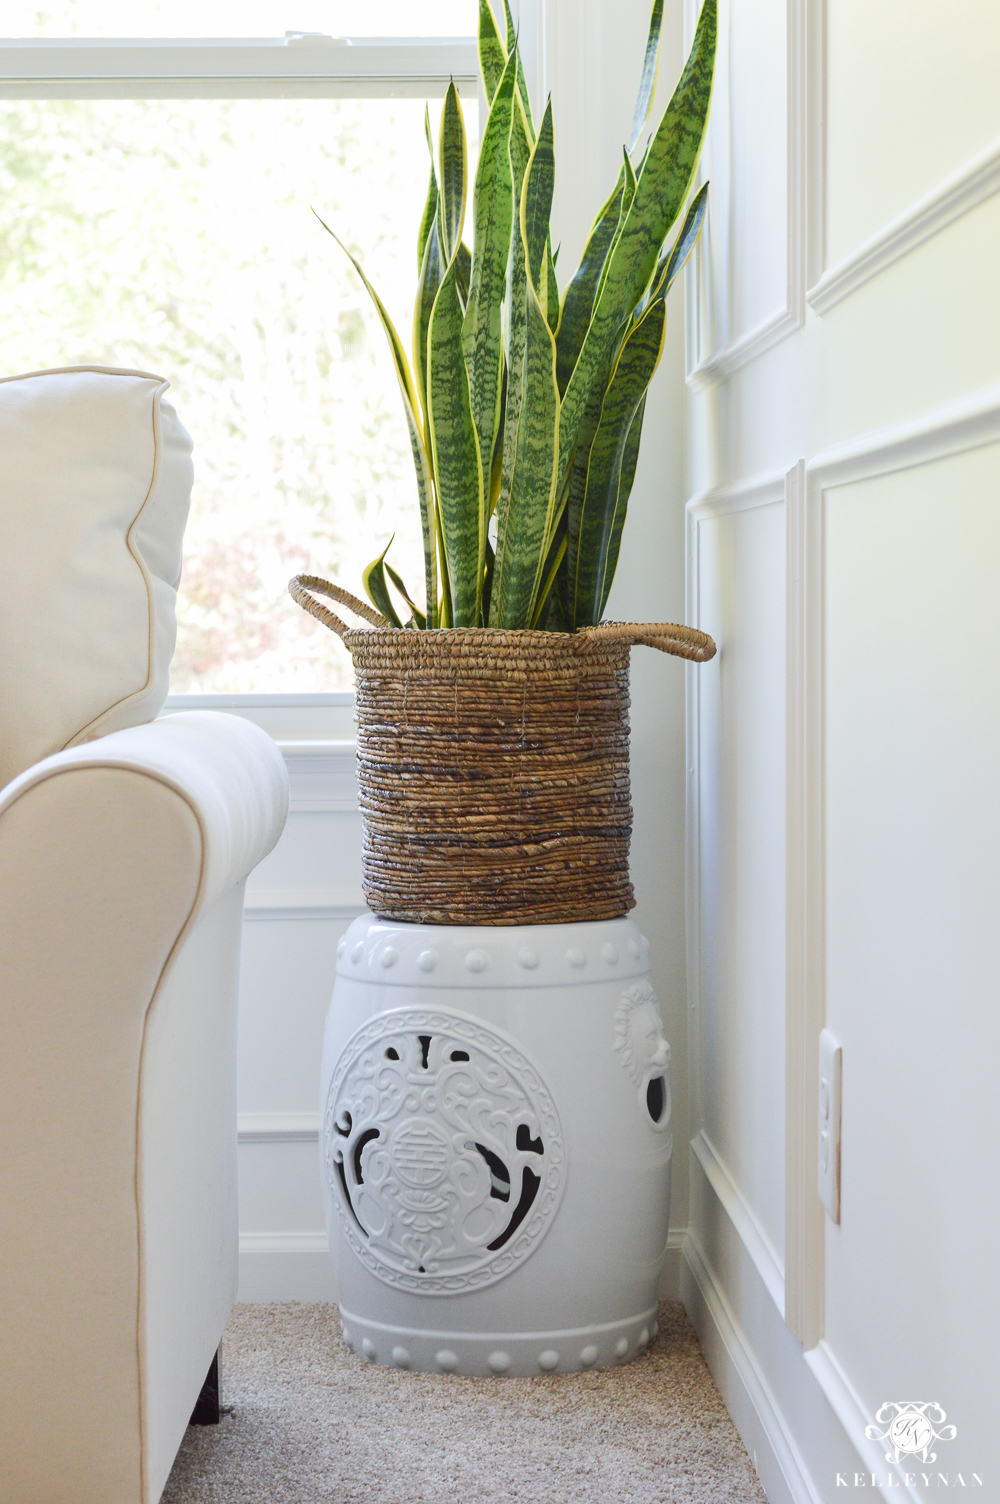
[{"x": 828, "y": 1167}]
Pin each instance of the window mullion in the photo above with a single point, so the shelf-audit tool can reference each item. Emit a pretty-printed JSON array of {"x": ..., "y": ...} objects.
[{"x": 293, "y": 67}]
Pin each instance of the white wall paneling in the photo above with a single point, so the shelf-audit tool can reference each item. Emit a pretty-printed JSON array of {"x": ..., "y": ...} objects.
[
  {"x": 873, "y": 439},
  {"x": 733, "y": 1031},
  {"x": 298, "y": 903},
  {"x": 968, "y": 423},
  {"x": 863, "y": 239},
  {"x": 899, "y": 697},
  {"x": 750, "y": 280},
  {"x": 972, "y": 184},
  {"x": 901, "y": 116},
  {"x": 804, "y": 1013},
  {"x": 741, "y": 1214}
]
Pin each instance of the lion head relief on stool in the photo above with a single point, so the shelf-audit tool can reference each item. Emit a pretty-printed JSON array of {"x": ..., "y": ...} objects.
[{"x": 643, "y": 1048}]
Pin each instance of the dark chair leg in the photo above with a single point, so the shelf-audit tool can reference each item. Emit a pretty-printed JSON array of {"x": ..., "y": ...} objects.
[{"x": 206, "y": 1409}]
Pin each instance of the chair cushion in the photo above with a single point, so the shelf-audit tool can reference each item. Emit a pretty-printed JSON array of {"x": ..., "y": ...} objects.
[{"x": 95, "y": 485}]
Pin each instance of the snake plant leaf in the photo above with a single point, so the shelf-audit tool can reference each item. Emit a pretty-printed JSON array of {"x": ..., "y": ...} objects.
[
  {"x": 488, "y": 580},
  {"x": 536, "y": 199},
  {"x": 376, "y": 589},
  {"x": 550, "y": 574},
  {"x": 418, "y": 615},
  {"x": 492, "y": 217},
  {"x": 463, "y": 272},
  {"x": 492, "y": 52},
  {"x": 628, "y": 194},
  {"x": 647, "y": 84},
  {"x": 661, "y": 190},
  {"x": 591, "y": 525},
  {"x": 522, "y": 84},
  {"x": 519, "y": 149},
  {"x": 496, "y": 468},
  {"x": 528, "y": 524},
  {"x": 431, "y": 273},
  {"x": 452, "y": 173},
  {"x": 578, "y": 299},
  {"x": 411, "y": 409},
  {"x": 455, "y": 449},
  {"x": 672, "y": 263},
  {"x": 630, "y": 457},
  {"x": 430, "y": 207},
  {"x": 551, "y": 288}
]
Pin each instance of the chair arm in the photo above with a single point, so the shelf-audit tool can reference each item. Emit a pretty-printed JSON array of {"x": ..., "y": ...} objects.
[
  {"x": 121, "y": 886},
  {"x": 227, "y": 769}
]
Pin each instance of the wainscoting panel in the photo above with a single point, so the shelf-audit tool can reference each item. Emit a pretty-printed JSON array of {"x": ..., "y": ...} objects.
[
  {"x": 299, "y": 902},
  {"x": 749, "y": 282}
]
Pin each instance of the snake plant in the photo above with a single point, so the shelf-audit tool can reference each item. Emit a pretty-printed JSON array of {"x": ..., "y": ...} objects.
[{"x": 525, "y": 408}]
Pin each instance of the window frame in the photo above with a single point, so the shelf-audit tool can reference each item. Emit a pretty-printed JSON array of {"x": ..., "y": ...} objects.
[
  {"x": 304, "y": 65},
  {"x": 299, "y": 65}
]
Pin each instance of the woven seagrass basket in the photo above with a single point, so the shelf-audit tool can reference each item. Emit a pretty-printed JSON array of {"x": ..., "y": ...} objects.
[{"x": 493, "y": 765}]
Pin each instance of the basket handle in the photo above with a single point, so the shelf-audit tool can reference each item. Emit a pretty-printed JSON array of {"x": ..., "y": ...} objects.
[
  {"x": 305, "y": 587},
  {"x": 666, "y": 636}
]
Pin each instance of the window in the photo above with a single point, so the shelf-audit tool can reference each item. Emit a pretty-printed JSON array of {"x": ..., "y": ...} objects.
[{"x": 155, "y": 197}]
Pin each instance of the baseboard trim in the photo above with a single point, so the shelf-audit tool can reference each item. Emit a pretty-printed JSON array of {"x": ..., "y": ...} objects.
[
  {"x": 278, "y": 1127},
  {"x": 297, "y": 1266},
  {"x": 669, "y": 1287},
  {"x": 286, "y": 1266},
  {"x": 847, "y": 1407},
  {"x": 753, "y": 1408}
]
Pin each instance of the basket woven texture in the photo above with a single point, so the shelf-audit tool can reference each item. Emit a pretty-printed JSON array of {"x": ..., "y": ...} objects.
[{"x": 493, "y": 765}]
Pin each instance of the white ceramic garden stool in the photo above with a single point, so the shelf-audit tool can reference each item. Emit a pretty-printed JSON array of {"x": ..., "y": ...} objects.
[{"x": 496, "y": 1145}]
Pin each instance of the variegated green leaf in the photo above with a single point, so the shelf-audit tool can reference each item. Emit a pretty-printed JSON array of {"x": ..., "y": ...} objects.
[
  {"x": 628, "y": 194},
  {"x": 536, "y": 199},
  {"x": 647, "y": 84},
  {"x": 496, "y": 468},
  {"x": 591, "y": 524},
  {"x": 522, "y": 83},
  {"x": 376, "y": 589},
  {"x": 526, "y": 529},
  {"x": 629, "y": 460},
  {"x": 670, "y": 265},
  {"x": 431, "y": 273},
  {"x": 492, "y": 217},
  {"x": 431, "y": 206},
  {"x": 455, "y": 449},
  {"x": 492, "y": 52},
  {"x": 411, "y": 408},
  {"x": 452, "y": 174},
  {"x": 578, "y": 299},
  {"x": 662, "y": 188},
  {"x": 514, "y": 309},
  {"x": 418, "y": 615},
  {"x": 557, "y": 553},
  {"x": 488, "y": 581},
  {"x": 551, "y": 288},
  {"x": 463, "y": 272}
]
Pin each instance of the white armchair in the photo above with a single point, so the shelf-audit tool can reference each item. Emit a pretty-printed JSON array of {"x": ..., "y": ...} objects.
[{"x": 124, "y": 847}]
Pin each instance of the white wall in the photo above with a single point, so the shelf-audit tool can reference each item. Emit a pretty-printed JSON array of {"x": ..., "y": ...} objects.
[
  {"x": 302, "y": 898},
  {"x": 844, "y": 547}
]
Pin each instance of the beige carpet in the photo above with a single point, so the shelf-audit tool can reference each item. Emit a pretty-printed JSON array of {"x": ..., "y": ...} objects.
[{"x": 313, "y": 1424}]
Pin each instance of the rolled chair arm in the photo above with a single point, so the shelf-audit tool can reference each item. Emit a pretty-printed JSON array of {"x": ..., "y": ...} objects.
[{"x": 122, "y": 865}]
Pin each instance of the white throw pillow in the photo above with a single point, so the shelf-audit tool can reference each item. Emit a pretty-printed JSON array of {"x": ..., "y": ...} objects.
[{"x": 95, "y": 485}]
